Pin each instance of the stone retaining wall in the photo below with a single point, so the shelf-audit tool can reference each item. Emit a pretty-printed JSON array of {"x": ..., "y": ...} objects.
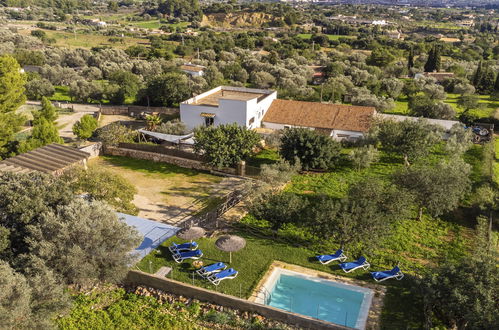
[
  {"x": 163, "y": 158},
  {"x": 94, "y": 149},
  {"x": 137, "y": 278},
  {"x": 156, "y": 157}
]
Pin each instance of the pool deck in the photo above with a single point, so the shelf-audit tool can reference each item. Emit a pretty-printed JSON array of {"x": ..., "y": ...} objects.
[{"x": 373, "y": 320}]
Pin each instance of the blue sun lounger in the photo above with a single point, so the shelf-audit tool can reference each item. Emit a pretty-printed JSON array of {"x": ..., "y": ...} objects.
[
  {"x": 223, "y": 275},
  {"x": 351, "y": 266},
  {"x": 181, "y": 256},
  {"x": 182, "y": 247},
  {"x": 327, "y": 258},
  {"x": 385, "y": 275},
  {"x": 211, "y": 269}
]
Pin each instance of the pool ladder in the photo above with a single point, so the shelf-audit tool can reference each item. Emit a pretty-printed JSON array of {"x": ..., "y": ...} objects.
[{"x": 266, "y": 294}]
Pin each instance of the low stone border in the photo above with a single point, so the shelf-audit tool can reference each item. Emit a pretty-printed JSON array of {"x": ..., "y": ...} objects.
[
  {"x": 206, "y": 307},
  {"x": 138, "y": 278},
  {"x": 373, "y": 320}
]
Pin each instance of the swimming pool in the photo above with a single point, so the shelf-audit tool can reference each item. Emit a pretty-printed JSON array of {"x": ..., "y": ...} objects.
[{"x": 323, "y": 299}]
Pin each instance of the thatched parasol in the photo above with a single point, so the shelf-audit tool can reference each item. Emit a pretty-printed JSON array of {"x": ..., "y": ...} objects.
[
  {"x": 191, "y": 233},
  {"x": 230, "y": 243}
]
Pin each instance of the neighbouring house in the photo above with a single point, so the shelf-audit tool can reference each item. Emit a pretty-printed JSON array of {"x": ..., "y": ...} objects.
[
  {"x": 341, "y": 122},
  {"x": 318, "y": 75},
  {"x": 53, "y": 158},
  {"x": 394, "y": 34},
  {"x": 446, "y": 125},
  {"x": 193, "y": 70},
  {"x": 227, "y": 105},
  {"x": 31, "y": 68},
  {"x": 439, "y": 76},
  {"x": 96, "y": 22},
  {"x": 466, "y": 23}
]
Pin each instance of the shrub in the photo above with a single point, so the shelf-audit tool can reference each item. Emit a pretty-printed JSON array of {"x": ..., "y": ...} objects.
[
  {"x": 313, "y": 150},
  {"x": 85, "y": 127},
  {"x": 225, "y": 145},
  {"x": 279, "y": 173},
  {"x": 173, "y": 127},
  {"x": 115, "y": 133},
  {"x": 364, "y": 156},
  {"x": 279, "y": 209}
]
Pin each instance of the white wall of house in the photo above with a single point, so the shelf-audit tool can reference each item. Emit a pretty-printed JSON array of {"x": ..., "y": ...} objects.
[
  {"x": 194, "y": 73},
  {"x": 245, "y": 113},
  {"x": 335, "y": 134},
  {"x": 339, "y": 135}
]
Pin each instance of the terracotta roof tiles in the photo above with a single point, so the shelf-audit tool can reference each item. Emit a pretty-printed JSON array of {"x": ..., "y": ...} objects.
[{"x": 320, "y": 115}]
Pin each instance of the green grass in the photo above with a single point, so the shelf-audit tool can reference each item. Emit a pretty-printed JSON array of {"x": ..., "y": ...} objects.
[
  {"x": 337, "y": 182},
  {"x": 116, "y": 309},
  {"x": 486, "y": 109},
  {"x": 265, "y": 156},
  {"x": 156, "y": 24},
  {"x": 254, "y": 260},
  {"x": 413, "y": 245},
  {"x": 150, "y": 168},
  {"x": 61, "y": 94}
]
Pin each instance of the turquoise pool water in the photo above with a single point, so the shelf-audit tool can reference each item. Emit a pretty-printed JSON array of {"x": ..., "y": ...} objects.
[{"x": 326, "y": 300}]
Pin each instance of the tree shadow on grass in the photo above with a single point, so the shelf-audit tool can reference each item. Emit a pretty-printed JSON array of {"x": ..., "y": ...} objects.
[{"x": 402, "y": 305}]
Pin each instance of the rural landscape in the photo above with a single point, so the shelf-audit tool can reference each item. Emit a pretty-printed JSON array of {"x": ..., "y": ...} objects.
[{"x": 191, "y": 164}]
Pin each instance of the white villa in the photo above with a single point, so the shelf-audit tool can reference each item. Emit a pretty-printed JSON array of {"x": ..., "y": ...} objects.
[
  {"x": 227, "y": 105},
  {"x": 260, "y": 108}
]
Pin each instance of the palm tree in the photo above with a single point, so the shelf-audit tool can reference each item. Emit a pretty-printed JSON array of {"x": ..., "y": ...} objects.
[{"x": 153, "y": 121}]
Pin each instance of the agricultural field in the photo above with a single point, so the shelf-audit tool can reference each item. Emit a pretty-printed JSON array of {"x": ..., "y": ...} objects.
[
  {"x": 89, "y": 40},
  {"x": 307, "y": 36},
  {"x": 487, "y": 106}
]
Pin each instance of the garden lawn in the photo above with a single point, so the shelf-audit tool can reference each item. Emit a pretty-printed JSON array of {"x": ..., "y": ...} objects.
[
  {"x": 254, "y": 260},
  {"x": 265, "y": 156},
  {"x": 165, "y": 191}
]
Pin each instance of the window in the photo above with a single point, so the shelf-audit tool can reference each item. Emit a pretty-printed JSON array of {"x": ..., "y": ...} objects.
[
  {"x": 251, "y": 121},
  {"x": 208, "y": 121}
]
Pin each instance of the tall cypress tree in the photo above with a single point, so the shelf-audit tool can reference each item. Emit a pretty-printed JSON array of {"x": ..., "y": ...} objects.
[
  {"x": 410, "y": 59},
  {"x": 486, "y": 83},
  {"x": 430, "y": 63},
  {"x": 477, "y": 77},
  {"x": 437, "y": 59},
  {"x": 496, "y": 85}
]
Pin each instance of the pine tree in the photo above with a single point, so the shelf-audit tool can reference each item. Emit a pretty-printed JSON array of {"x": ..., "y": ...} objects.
[
  {"x": 12, "y": 83},
  {"x": 48, "y": 111}
]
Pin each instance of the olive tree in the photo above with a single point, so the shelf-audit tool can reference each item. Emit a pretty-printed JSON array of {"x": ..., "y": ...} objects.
[
  {"x": 225, "y": 145},
  {"x": 313, "y": 150},
  {"x": 412, "y": 139},
  {"x": 436, "y": 188}
]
